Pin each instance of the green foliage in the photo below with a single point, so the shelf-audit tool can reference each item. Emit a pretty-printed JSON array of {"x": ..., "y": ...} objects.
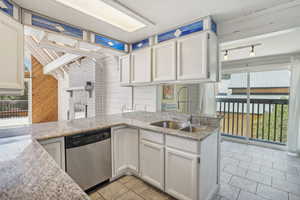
[
  {"x": 272, "y": 125},
  {"x": 22, "y": 97}
]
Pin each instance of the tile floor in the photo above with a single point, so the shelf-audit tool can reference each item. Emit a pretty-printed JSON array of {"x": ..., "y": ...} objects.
[
  {"x": 248, "y": 172},
  {"x": 128, "y": 188}
]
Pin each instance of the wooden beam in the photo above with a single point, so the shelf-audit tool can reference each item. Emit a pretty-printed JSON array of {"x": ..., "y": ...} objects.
[
  {"x": 67, "y": 49},
  {"x": 60, "y": 62}
]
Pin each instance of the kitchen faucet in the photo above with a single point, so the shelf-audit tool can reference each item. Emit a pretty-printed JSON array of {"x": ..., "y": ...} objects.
[
  {"x": 190, "y": 119},
  {"x": 178, "y": 95}
]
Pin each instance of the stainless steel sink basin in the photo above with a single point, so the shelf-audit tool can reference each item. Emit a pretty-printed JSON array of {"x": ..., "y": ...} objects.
[
  {"x": 193, "y": 128},
  {"x": 169, "y": 124},
  {"x": 177, "y": 125}
]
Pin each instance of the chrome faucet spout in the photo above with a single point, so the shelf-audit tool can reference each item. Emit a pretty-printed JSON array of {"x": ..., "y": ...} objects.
[{"x": 190, "y": 119}]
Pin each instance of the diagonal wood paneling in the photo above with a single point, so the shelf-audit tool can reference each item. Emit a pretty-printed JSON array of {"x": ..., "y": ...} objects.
[{"x": 44, "y": 95}]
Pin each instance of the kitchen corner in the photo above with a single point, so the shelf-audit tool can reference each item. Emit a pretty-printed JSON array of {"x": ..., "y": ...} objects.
[{"x": 27, "y": 171}]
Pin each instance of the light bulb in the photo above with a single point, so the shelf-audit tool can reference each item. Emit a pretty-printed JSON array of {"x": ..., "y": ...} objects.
[
  {"x": 226, "y": 55},
  {"x": 252, "y": 53}
]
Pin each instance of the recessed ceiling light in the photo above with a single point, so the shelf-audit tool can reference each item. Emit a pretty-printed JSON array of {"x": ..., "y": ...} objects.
[{"x": 106, "y": 13}]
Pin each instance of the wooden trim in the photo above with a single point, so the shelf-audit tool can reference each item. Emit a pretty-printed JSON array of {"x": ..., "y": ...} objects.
[{"x": 44, "y": 95}]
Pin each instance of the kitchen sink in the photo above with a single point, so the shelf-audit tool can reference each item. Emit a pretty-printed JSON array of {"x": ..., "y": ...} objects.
[
  {"x": 169, "y": 124},
  {"x": 182, "y": 126},
  {"x": 193, "y": 128}
]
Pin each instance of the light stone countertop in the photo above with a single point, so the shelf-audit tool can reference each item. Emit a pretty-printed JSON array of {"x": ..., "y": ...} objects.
[{"x": 27, "y": 171}]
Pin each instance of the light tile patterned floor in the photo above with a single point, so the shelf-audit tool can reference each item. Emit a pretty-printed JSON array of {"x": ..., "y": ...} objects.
[
  {"x": 248, "y": 172},
  {"x": 128, "y": 188}
]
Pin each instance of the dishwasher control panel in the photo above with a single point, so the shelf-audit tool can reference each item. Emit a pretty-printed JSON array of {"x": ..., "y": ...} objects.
[{"x": 86, "y": 138}]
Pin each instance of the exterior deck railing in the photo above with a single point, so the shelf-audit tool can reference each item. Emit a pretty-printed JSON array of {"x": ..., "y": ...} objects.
[
  {"x": 13, "y": 109},
  {"x": 266, "y": 120}
]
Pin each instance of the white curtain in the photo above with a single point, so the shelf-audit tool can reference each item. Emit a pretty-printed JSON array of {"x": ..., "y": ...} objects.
[
  {"x": 294, "y": 108},
  {"x": 207, "y": 100}
]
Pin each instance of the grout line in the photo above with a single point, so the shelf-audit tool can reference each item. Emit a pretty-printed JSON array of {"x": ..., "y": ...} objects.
[
  {"x": 101, "y": 195},
  {"x": 130, "y": 189},
  {"x": 238, "y": 196}
]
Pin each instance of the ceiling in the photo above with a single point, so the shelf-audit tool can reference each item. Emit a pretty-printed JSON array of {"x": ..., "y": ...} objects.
[
  {"x": 165, "y": 14},
  {"x": 281, "y": 42}
]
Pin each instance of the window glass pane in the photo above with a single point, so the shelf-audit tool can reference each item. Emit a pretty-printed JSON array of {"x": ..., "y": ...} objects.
[
  {"x": 232, "y": 103},
  {"x": 269, "y": 93}
]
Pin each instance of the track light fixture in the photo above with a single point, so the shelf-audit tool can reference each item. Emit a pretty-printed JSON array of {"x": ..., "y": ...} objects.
[{"x": 252, "y": 51}]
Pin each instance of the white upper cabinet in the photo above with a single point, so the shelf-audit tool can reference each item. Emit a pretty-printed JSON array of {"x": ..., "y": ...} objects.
[
  {"x": 164, "y": 61},
  {"x": 11, "y": 56},
  {"x": 213, "y": 58},
  {"x": 141, "y": 66},
  {"x": 124, "y": 63},
  {"x": 192, "y": 57}
]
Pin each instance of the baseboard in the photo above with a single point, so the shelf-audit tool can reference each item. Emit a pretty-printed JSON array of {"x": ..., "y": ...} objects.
[
  {"x": 125, "y": 171},
  {"x": 213, "y": 192}
]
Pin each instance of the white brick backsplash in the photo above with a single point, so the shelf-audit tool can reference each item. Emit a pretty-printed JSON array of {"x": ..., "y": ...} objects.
[
  {"x": 108, "y": 96},
  {"x": 145, "y": 96}
]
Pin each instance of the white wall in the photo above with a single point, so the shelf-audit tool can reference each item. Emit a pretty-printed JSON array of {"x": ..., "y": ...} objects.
[
  {"x": 76, "y": 77},
  {"x": 63, "y": 97},
  {"x": 108, "y": 96},
  {"x": 114, "y": 95},
  {"x": 145, "y": 96}
]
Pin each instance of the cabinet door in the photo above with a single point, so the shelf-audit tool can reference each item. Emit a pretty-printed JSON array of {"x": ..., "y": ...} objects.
[
  {"x": 119, "y": 153},
  {"x": 11, "y": 56},
  {"x": 132, "y": 149},
  {"x": 192, "y": 57},
  {"x": 152, "y": 163},
  {"x": 181, "y": 174},
  {"x": 56, "y": 148},
  {"x": 141, "y": 66},
  {"x": 164, "y": 62},
  {"x": 125, "y": 150},
  {"x": 124, "y": 64}
]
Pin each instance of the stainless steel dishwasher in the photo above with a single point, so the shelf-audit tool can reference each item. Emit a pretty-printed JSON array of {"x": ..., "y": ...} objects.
[{"x": 88, "y": 157}]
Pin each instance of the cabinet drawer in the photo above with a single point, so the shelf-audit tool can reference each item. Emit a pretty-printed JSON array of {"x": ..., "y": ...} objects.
[
  {"x": 152, "y": 136},
  {"x": 187, "y": 145}
]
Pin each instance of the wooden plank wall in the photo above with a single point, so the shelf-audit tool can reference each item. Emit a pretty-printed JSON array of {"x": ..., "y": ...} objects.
[{"x": 44, "y": 95}]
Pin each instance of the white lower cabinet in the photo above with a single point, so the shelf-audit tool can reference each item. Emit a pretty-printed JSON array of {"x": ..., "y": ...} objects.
[
  {"x": 132, "y": 149},
  {"x": 152, "y": 163},
  {"x": 56, "y": 148},
  {"x": 181, "y": 174},
  {"x": 119, "y": 156},
  {"x": 169, "y": 163},
  {"x": 125, "y": 148}
]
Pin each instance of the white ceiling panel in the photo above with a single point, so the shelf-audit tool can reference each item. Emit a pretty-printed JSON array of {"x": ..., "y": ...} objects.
[{"x": 164, "y": 13}]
